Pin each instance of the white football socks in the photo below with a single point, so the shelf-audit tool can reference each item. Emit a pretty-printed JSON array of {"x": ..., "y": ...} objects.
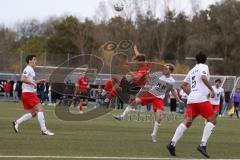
[
  {"x": 178, "y": 134},
  {"x": 126, "y": 111},
  {"x": 24, "y": 118},
  {"x": 155, "y": 128},
  {"x": 207, "y": 133},
  {"x": 41, "y": 121}
]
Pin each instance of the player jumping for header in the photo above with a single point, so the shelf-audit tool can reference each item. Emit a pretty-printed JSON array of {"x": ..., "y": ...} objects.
[{"x": 155, "y": 93}]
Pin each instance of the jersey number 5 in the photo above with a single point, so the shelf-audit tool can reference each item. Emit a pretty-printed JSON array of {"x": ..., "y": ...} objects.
[{"x": 194, "y": 82}]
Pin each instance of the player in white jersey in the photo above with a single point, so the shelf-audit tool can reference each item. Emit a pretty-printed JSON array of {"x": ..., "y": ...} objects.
[
  {"x": 197, "y": 86},
  {"x": 219, "y": 92},
  {"x": 155, "y": 95},
  {"x": 31, "y": 103}
]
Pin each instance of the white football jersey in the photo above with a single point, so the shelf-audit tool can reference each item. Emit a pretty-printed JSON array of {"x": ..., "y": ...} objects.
[
  {"x": 163, "y": 89},
  {"x": 218, "y": 93},
  {"x": 30, "y": 74},
  {"x": 199, "y": 91}
]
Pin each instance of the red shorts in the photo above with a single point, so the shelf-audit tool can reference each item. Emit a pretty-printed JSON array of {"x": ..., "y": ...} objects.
[
  {"x": 216, "y": 107},
  {"x": 205, "y": 109},
  {"x": 29, "y": 100},
  {"x": 157, "y": 103}
]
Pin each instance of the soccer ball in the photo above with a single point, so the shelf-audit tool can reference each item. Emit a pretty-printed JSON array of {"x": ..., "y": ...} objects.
[{"x": 118, "y": 6}]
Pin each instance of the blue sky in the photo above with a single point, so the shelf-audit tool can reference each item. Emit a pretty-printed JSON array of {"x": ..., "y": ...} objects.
[{"x": 15, "y": 11}]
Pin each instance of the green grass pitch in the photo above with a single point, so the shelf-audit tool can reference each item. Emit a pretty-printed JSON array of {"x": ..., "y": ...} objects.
[{"x": 106, "y": 137}]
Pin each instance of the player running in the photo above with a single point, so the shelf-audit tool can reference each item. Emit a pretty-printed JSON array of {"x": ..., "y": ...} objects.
[
  {"x": 30, "y": 101},
  {"x": 155, "y": 95},
  {"x": 219, "y": 92},
  {"x": 197, "y": 86},
  {"x": 82, "y": 86}
]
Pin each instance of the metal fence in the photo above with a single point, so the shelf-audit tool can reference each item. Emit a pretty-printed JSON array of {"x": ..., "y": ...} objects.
[
  {"x": 15, "y": 62},
  {"x": 11, "y": 66},
  {"x": 229, "y": 83}
]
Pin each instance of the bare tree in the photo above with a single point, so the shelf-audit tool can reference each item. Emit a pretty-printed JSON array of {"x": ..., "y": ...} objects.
[
  {"x": 101, "y": 13},
  {"x": 29, "y": 28},
  {"x": 195, "y": 4}
]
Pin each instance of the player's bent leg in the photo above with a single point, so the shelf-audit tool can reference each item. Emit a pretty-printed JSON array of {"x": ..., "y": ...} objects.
[
  {"x": 29, "y": 101},
  {"x": 128, "y": 109},
  {"x": 209, "y": 114},
  {"x": 188, "y": 121},
  {"x": 125, "y": 113},
  {"x": 39, "y": 107},
  {"x": 31, "y": 114},
  {"x": 133, "y": 101}
]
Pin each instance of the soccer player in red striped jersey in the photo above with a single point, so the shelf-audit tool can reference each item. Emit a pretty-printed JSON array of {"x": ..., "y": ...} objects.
[{"x": 31, "y": 103}]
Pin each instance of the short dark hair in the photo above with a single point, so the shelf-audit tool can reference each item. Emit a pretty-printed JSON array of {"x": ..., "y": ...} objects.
[
  {"x": 140, "y": 57},
  {"x": 171, "y": 67},
  {"x": 201, "y": 57},
  {"x": 30, "y": 57},
  {"x": 218, "y": 80}
]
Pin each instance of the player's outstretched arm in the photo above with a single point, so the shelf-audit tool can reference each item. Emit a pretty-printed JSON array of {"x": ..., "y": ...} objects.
[{"x": 136, "y": 50}]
